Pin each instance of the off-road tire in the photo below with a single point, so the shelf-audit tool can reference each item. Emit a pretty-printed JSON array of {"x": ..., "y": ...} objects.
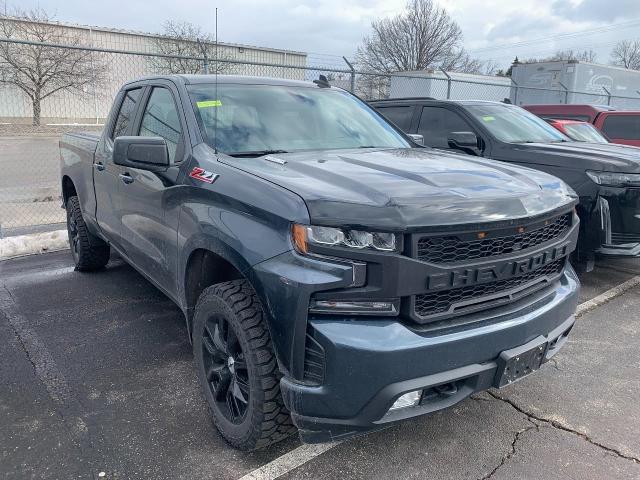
[
  {"x": 266, "y": 419},
  {"x": 89, "y": 252}
]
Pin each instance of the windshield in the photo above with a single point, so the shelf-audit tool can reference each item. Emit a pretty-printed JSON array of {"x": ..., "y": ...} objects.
[
  {"x": 244, "y": 119},
  {"x": 515, "y": 125},
  {"x": 584, "y": 132}
]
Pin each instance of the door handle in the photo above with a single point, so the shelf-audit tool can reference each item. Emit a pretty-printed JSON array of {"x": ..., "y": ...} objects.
[
  {"x": 99, "y": 166},
  {"x": 126, "y": 178}
]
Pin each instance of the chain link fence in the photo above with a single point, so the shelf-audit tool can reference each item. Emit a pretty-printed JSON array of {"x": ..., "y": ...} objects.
[{"x": 30, "y": 129}]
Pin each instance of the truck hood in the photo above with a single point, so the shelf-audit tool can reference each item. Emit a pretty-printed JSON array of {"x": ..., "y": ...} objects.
[
  {"x": 608, "y": 157},
  {"x": 401, "y": 189}
]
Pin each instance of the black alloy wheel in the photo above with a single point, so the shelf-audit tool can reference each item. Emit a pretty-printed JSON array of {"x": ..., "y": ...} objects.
[
  {"x": 237, "y": 367},
  {"x": 226, "y": 369}
]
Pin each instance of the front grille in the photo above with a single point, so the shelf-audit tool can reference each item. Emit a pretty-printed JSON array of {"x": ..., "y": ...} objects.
[
  {"x": 432, "y": 304},
  {"x": 456, "y": 248},
  {"x": 622, "y": 238}
]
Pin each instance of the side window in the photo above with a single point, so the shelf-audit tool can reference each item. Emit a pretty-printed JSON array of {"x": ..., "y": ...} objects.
[
  {"x": 161, "y": 119},
  {"x": 127, "y": 110},
  {"x": 401, "y": 116},
  {"x": 625, "y": 127},
  {"x": 436, "y": 123}
]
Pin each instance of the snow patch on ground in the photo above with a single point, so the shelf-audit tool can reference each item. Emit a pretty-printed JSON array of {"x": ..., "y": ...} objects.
[{"x": 32, "y": 244}]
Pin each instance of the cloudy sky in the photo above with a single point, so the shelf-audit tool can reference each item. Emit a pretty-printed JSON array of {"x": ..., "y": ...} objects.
[{"x": 335, "y": 27}]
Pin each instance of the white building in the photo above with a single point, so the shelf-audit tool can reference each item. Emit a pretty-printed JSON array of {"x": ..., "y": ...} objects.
[{"x": 94, "y": 104}]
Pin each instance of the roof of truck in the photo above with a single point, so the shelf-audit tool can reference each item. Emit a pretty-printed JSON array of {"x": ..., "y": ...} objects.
[
  {"x": 227, "y": 79},
  {"x": 430, "y": 99},
  {"x": 574, "y": 107}
]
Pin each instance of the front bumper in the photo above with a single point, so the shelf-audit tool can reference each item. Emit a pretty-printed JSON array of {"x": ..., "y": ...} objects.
[
  {"x": 622, "y": 250},
  {"x": 371, "y": 362},
  {"x": 616, "y": 218}
]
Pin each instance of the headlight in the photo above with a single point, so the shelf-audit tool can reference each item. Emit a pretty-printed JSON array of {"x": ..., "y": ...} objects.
[
  {"x": 611, "y": 179},
  {"x": 305, "y": 235}
]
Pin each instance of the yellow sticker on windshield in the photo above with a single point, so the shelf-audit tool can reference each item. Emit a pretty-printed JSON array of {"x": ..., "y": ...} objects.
[
  {"x": 209, "y": 103},
  {"x": 488, "y": 118}
]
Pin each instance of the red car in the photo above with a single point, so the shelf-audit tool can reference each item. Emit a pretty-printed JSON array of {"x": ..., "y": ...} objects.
[
  {"x": 618, "y": 126},
  {"x": 578, "y": 131}
]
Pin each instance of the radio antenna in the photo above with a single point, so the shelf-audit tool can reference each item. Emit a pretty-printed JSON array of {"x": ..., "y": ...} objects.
[{"x": 217, "y": 100}]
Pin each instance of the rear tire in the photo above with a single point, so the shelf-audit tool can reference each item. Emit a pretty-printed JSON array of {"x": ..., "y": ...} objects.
[
  {"x": 89, "y": 252},
  {"x": 237, "y": 368}
]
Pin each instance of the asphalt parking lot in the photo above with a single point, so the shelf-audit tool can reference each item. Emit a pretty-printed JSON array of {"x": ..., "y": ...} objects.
[{"x": 97, "y": 381}]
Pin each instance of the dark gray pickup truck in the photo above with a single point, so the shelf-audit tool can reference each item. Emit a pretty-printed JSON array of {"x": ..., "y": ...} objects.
[{"x": 334, "y": 276}]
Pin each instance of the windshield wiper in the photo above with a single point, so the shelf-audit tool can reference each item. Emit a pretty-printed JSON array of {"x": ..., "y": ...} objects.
[{"x": 255, "y": 153}]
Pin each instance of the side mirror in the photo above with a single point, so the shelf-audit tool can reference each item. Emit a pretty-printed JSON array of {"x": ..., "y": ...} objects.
[
  {"x": 465, "y": 141},
  {"x": 146, "y": 153},
  {"x": 417, "y": 138}
]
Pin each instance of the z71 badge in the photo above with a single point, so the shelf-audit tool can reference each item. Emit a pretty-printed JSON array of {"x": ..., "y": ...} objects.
[{"x": 203, "y": 175}]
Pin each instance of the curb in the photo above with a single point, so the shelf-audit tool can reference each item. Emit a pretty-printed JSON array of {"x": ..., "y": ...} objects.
[{"x": 607, "y": 296}]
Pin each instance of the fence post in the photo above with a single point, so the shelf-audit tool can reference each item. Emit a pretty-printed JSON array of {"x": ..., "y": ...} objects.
[
  {"x": 448, "y": 83},
  {"x": 353, "y": 74},
  {"x": 515, "y": 95},
  {"x": 205, "y": 63},
  {"x": 566, "y": 93},
  {"x": 608, "y": 95}
]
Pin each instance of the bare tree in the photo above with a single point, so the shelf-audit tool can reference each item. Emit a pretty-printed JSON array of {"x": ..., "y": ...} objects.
[
  {"x": 422, "y": 36},
  {"x": 489, "y": 67},
  {"x": 626, "y": 54},
  {"x": 463, "y": 62},
  {"x": 566, "y": 56},
  {"x": 373, "y": 87},
  {"x": 183, "y": 39},
  {"x": 580, "y": 55},
  {"x": 40, "y": 71}
]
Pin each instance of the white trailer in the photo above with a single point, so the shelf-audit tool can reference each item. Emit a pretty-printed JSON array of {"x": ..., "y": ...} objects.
[{"x": 575, "y": 83}]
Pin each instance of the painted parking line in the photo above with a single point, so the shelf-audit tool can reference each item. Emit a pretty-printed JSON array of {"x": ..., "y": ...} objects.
[
  {"x": 289, "y": 461},
  {"x": 305, "y": 453}
]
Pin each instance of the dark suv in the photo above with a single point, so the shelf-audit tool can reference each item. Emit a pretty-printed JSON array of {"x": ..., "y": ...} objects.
[{"x": 605, "y": 176}]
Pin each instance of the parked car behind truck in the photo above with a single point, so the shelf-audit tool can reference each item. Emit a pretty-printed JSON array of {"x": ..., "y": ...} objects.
[
  {"x": 619, "y": 126},
  {"x": 605, "y": 176},
  {"x": 577, "y": 130},
  {"x": 333, "y": 275}
]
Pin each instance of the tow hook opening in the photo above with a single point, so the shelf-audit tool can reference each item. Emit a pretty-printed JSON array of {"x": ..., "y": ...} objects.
[
  {"x": 439, "y": 392},
  {"x": 555, "y": 344}
]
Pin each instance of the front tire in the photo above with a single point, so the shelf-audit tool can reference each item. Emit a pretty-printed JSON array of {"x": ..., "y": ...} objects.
[
  {"x": 237, "y": 368},
  {"x": 89, "y": 252}
]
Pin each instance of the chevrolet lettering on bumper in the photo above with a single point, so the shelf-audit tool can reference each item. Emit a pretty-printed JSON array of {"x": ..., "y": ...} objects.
[{"x": 500, "y": 271}]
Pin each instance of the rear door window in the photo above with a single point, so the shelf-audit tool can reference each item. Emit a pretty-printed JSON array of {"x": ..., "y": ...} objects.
[
  {"x": 624, "y": 127},
  {"x": 400, "y": 115},
  {"x": 436, "y": 123},
  {"x": 126, "y": 112}
]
